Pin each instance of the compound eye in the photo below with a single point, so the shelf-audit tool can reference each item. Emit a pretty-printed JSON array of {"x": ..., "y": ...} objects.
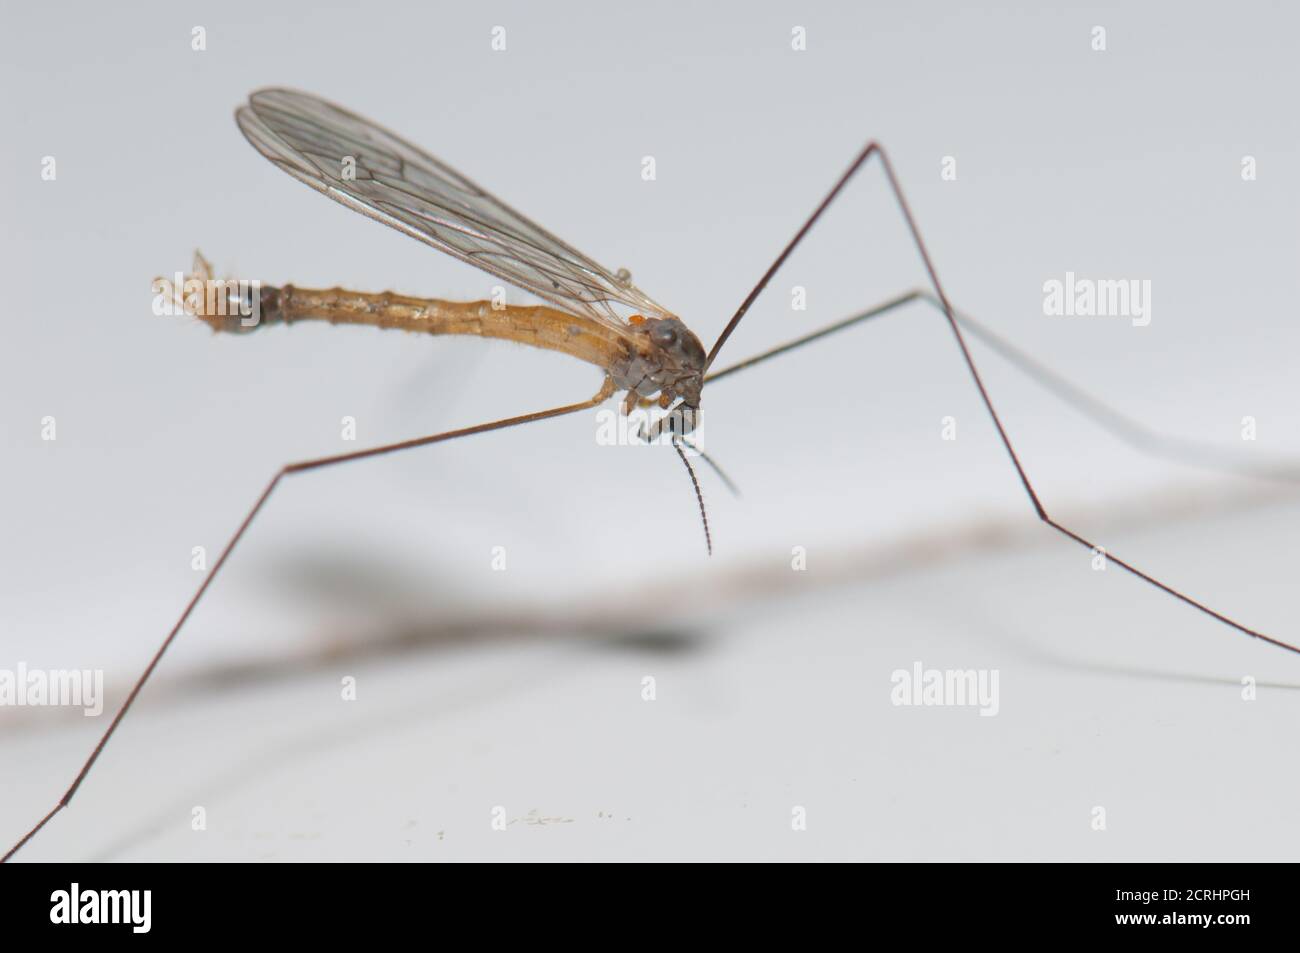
[{"x": 665, "y": 335}]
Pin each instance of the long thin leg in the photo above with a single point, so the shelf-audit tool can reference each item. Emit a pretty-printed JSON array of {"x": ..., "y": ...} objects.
[
  {"x": 871, "y": 149},
  {"x": 1181, "y": 450},
  {"x": 301, "y": 467}
]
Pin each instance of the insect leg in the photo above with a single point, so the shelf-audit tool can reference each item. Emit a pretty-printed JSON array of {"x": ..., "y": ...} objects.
[
  {"x": 289, "y": 469},
  {"x": 1133, "y": 432},
  {"x": 941, "y": 298}
]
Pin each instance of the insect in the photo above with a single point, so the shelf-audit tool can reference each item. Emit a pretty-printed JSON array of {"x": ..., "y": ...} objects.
[{"x": 651, "y": 356}]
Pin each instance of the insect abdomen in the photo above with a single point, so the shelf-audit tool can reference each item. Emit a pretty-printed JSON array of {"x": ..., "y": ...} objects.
[{"x": 536, "y": 326}]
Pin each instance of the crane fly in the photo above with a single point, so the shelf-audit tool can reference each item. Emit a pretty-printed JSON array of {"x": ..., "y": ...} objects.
[{"x": 650, "y": 355}]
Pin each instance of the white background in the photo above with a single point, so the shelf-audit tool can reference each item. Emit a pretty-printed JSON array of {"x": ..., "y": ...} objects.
[{"x": 523, "y": 689}]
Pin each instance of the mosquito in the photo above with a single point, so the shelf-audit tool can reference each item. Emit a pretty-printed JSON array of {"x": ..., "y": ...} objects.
[{"x": 650, "y": 355}]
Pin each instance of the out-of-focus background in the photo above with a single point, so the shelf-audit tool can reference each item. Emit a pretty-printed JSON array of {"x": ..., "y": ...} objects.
[{"x": 520, "y": 694}]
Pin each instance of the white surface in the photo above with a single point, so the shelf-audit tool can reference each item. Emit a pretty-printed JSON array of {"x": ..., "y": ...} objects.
[
  {"x": 1122, "y": 164},
  {"x": 1109, "y": 697}
]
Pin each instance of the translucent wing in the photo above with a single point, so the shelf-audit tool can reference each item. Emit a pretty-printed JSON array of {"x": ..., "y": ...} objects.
[{"x": 392, "y": 181}]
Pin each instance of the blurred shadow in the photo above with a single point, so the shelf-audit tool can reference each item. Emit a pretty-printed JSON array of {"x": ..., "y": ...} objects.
[{"x": 1033, "y": 651}]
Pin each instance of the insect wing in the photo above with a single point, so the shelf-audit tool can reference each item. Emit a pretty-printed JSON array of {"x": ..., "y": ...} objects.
[{"x": 369, "y": 169}]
